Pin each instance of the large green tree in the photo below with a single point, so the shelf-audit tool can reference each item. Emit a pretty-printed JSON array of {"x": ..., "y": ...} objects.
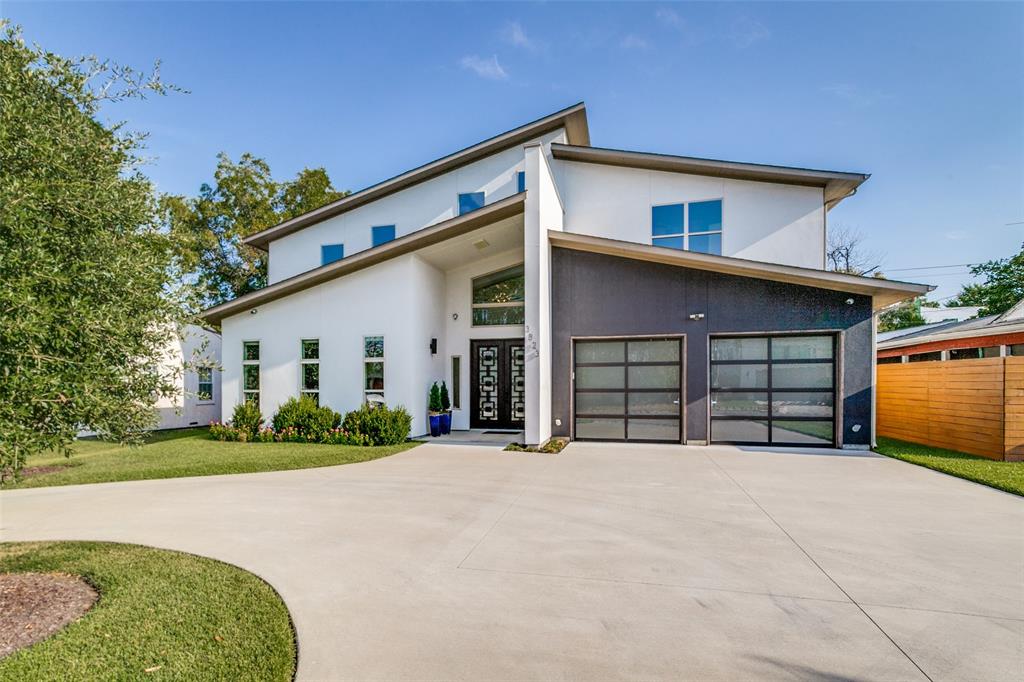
[
  {"x": 208, "y": 229},
  {"x": 1002, "y": 287},
  {"x": 84, "y": 267},
  {"x": 901, "y": 316}
]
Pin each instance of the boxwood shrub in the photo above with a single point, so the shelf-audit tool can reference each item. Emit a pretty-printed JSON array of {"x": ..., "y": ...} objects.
[
  {"x": 380, "y": 425},
  {"x": 306, "y": 417}
]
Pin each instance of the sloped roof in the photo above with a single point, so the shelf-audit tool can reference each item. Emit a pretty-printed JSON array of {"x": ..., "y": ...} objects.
[
  {"x": 573, "y": 119},
  {"x": 884, "y": 292},
  {"x": 837, "y": 185},
  {"x": 1009, "y": 322}
]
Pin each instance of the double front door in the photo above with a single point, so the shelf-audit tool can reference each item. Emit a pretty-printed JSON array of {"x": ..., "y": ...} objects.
[{"x": 497, "y": 384}]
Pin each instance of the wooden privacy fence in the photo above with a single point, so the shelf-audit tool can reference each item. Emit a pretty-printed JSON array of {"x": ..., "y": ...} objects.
[{"x": 974, "y": 406}]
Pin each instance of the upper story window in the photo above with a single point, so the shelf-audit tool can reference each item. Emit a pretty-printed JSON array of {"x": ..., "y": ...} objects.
[
  {"x": 382, "y": 234},
  {"x": 331, "y": 252},
  {"x": 696, "y": 226},
  {"x": 499, "y": 298},
  {"x": 470, "y": 202},
  {"x": 521, "y": 181}
]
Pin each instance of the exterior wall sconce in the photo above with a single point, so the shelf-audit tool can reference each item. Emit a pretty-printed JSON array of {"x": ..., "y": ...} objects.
[
  {"x": 697, "y": 316},
  {"x": 433, "y": 346}
]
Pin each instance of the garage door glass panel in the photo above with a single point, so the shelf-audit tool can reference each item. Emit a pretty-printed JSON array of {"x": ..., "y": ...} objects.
[
  {"x": 817, "y": 375},
  {"x": 657, "y": 376},
  {"x": 739, "y": 430},
  {"x": 654, "y": 351},
  {"x": 739, "y": 404},
  {"x": 654, "y": 404},
  {"x": 601, "y": 377},
  {"x": 811, "y": 404},
  {"x": 739, "y": 376},
  {"x": 601, "y": 403},
  {"x": 802, "y": 348},
  {"x": 654, "y": 429},
  {"x": 601, "y": 429},
  {"x": 802, "y": 432},
  {"x": 739, "y": 349},
  {"x": 600, "y": 352}
]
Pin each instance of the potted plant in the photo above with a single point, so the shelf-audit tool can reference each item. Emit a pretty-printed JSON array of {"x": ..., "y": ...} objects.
[
  {"x": 446, "y": 410},
  {"x": 434, "y": 406}
]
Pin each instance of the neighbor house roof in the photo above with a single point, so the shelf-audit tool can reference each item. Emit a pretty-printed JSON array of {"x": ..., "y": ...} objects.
[
  {"x": 427, "y": 236},
  {"x": 884, "y": 292},
  {"x": 573, "y": 119},
  {"x": 836, "y": 185},
  {"x": 1009, "y": 322}
]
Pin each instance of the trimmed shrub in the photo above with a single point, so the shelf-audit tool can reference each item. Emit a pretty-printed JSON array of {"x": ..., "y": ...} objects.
[
  {"x": 379, "y": 425},
  {"x": 306, "y": 417},
  {"x": 247, "y": 420},
  {"x": 446, "y": 403},
  {"x": 220, "y": 431}
]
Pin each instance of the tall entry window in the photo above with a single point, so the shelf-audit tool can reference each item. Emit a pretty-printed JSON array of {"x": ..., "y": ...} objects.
[
  {"x": 310, "y": 369},
  {"x": 251, "y": 371},
  {"x": 499, "y": 298},
  {"x": 628, "y": 389},
  {"x": 373, "y": 369},
  {"x": 773, "y": 390}
]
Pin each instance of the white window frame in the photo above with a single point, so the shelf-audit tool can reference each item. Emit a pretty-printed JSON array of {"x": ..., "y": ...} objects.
[
  {"x": 685, "y": 234},
  {"x": 382, "y": 360},
  {"x": 313, "y": 393},
  {"x": 200, "y": 400},
  {"x": 259, "y": 378}
]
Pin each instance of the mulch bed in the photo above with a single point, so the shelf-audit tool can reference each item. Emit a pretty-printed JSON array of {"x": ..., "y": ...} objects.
[{"x": 37, "y": 605}]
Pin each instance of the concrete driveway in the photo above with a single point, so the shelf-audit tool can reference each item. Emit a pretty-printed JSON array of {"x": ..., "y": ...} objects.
[{"x": 603, "y": 562}]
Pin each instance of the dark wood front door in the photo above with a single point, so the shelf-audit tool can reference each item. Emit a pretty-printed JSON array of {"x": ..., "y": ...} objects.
[{"x": 497, "y": 384}]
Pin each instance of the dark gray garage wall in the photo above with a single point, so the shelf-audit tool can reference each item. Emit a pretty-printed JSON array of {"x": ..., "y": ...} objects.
[{"x": 598, "y": 295}]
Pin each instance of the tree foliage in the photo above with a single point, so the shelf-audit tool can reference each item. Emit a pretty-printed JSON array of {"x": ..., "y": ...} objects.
[
  {"x": 901, "y": 316},
  {"x": 1002, "y": 287},
  {"x": 244, "y": 198},
  {"x": 84, "y": 310}
]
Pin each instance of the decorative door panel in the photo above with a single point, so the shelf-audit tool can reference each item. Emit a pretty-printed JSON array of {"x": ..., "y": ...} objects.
[{"x": 498, "y": 384}]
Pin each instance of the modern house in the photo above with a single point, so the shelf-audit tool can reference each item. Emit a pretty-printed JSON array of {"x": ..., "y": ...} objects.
[
  {"x": 991, "y": 336},
  {"x": 570, "y": 290}
]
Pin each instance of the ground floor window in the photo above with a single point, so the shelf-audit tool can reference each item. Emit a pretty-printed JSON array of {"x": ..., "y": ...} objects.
[
  {"x": 974, "y": 353},
  {"x": 251, "y": 371},
  {"x": 456, "y": 382},
  {"x": 925, "y": 357},
  {"x": 309, "y": 379},
  {"x": 773, "y": 390},
  {"x": 891, "y": 360},
  {"x": 1015, "y": 349},
  {"x": 373, "y": 369},
  {"x": 204, "y": 390}
]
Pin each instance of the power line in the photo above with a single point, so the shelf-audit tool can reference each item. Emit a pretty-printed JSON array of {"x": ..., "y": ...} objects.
[{"x": 932, "y": 267}]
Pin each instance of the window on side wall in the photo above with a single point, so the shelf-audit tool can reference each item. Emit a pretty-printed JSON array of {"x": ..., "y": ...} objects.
[
  {"x": 331, "y": 252},
  {"x": 373, "y": 369},
  {"x": 1015, "y": 349},
  {"x": 309, "y": 369},
  {"x": 696, "y": 226},
  {"x": 521, "y": 181},
  {"x": 456, "y": 382},
  {"x": 925, "y": 357},
  {"x": 251, "y": 372},
  {"x": 382, "y": 234},
  {"x": 470, "y": 202},
  {"x": 974, "y": 353},
  {"x": 499, "y": 298},
  {"x": 204, "y": 390}
]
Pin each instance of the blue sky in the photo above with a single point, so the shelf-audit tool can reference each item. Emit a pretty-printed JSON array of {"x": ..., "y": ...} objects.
[{"x": 928, "y": 98}]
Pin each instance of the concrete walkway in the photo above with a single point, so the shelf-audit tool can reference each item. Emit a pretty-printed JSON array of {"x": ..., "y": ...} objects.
[{"x": 603, "y": 562}]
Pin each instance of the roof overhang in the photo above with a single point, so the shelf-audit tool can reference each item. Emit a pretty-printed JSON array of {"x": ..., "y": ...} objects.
[
  {"x": 836, "y": 185},
  {"x": 454, "y": 227},
  {"x": 883, "y": 292},
  {"x": 573, "y": 119}
]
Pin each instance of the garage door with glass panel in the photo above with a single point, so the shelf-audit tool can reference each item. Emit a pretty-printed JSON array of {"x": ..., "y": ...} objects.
[
  {"x": 773, "y": 390},
  {"x": 628, "y": 390}
]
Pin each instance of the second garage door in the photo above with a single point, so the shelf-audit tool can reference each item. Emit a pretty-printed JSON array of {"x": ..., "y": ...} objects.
[{"x": 628, "y": 389}]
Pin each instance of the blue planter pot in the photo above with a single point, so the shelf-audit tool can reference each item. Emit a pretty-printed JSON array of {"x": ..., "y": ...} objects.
[
  {"x": 435, "y": 425},
  {"x": 446, "y": 423}
]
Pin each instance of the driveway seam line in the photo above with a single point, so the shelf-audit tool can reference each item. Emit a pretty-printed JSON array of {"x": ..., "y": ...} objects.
[
  {"x": 503, "y": 513},
  {"x": 819, "y": 566}
]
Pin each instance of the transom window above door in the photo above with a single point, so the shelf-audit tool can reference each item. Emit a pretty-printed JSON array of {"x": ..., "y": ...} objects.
[
  {"x": 696, "y": 226},
  {"x": 499, "y": 298}
]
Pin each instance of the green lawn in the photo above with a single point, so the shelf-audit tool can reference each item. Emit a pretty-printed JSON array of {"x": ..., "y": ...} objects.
[
  {"x": 1008, "y": 476},
  {"x": 160, "y": 615},
  {"x": 191, "y": 452}
]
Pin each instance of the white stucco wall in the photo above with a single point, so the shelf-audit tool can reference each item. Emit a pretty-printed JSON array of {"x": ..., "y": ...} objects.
[
  {"x": 192, "y": 345},
  {"x": 761, "y": 221},
  {"x": 409, "y": 210}
]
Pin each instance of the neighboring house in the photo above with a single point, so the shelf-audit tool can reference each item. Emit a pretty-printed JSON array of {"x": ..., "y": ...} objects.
[
  {"x": 193, "y": 359},
  {"x": 953, "y": 314},
  {"x": 570, "y": 290},
  {"x": 992, "y": 336}
]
